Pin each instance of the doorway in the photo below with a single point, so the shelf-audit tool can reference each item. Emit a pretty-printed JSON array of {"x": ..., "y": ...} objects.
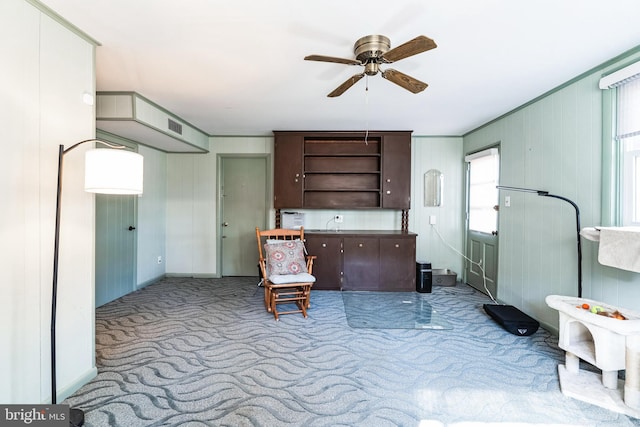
[
  {"x": 483, "y": 173},
  {"x": 115, "y": 247},
  {"x": 243, "y": 200}
]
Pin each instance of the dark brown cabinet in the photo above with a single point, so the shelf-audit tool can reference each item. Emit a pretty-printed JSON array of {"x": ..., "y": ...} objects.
[
  {"x": 361, "y": 263},
  {"x": 363, "y": 260},
  {"x": 288, "y": 180},
  {"x": 396, "y": 172},
  {"x": 342, "y": 170},
  {"x": 397, "y": 264},
  {"x": 326, "y": 267}
]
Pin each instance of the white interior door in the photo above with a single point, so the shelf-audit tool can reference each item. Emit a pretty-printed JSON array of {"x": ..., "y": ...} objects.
[
  {"x": 243, "y": 188},
  {"x": 483, "y": 172}
]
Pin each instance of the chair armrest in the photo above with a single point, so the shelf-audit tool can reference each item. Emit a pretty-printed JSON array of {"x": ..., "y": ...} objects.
[
  {"x": 310, "y": 259},
  {"x": 263, "y": 267}
]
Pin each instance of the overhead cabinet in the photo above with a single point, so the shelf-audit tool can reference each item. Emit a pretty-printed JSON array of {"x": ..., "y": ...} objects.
[{"x": 342, "y": 170}]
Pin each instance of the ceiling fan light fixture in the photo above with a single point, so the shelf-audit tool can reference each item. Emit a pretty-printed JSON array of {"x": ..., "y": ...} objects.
[
  {"x": 373, "y": 50},
  {"x": 371, "y": 68}
]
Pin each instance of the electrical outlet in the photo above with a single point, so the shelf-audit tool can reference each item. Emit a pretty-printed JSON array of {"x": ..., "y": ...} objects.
[
  {"x": 159, "y": 260},
  {"x": 338, "y": 218},
  {"x": 432, "y": 219}
]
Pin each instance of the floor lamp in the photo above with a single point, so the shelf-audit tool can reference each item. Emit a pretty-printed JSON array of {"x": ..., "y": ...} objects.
[
  {"x": 546, "y": 194},
  {"x": 107, "y": 171}
]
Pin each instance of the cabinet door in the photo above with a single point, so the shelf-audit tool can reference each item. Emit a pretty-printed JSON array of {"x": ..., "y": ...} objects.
[
  {"x": 361, "y": 270},
  {"x": 398, "y": 264},
  {"x": 396, "y": 171},
  {"x": 287, "y": 174},
  {"x": 327, "y": 267}
]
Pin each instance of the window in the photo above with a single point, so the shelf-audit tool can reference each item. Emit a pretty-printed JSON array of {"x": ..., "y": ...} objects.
[
  {"x": 624, "y": 96},
  {"x": 483, "y": 195},
  {"x": 628, "y": 139}
]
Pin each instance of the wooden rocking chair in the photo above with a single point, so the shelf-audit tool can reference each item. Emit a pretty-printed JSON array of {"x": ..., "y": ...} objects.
[{"x": 285, "y": 270}]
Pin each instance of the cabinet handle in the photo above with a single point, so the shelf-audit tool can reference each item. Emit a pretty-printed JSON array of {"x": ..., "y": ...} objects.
[
  {"x": 388, "y": 191},
  {"x": 397, "y": 245},
  {"x": 360, "y": 245},
  {"x": 388, "y": 179},
  {"x": 324, "y": 245}
]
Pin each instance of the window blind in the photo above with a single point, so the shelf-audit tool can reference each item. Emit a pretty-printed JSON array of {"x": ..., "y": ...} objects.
[{"x": 628, "y": 110}]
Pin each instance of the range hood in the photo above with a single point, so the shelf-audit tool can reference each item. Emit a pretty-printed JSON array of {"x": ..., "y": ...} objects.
[{"x": 132, "y": 116}]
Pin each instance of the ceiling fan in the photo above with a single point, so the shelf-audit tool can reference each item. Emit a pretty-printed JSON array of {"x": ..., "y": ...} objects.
[{"x": 374, "y": 50}]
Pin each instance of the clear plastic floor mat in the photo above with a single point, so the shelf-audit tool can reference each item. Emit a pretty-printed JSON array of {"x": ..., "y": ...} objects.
[{"x": 391, "y": 310}]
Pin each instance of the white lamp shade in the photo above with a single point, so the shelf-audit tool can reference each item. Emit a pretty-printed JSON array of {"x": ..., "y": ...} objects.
[{"x": 113, "y": 171}]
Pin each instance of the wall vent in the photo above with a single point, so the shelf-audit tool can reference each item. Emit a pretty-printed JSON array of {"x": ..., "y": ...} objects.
[{"x": 175, "y": 126}]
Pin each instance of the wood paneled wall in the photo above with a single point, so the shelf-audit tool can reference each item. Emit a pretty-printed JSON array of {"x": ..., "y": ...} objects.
[{"x": 554, "y": 144}]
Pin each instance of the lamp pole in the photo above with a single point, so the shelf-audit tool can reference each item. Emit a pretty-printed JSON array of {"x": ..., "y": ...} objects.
[
  {"x": 76, "y": 416},
  {"x": 544, "y": 193}
]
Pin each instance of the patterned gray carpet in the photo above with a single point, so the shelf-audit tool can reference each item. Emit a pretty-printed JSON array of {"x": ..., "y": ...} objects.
[{"x": 204, "y": 352}]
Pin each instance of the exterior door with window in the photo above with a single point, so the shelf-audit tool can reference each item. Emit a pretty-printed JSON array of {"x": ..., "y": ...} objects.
[{"x": 483, "y": 169}]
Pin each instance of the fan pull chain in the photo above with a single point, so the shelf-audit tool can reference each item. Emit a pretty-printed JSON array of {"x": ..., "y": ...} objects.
[{"x": 366, "y": 109}]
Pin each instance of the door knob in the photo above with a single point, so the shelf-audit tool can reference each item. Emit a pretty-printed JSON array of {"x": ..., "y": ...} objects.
[
  {"x": 131, "y": 227},
  {"x": 225, "y": 224}
]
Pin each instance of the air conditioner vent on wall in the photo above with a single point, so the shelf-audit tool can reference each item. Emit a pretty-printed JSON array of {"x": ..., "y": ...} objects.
[{"x": 175, "y": 126}]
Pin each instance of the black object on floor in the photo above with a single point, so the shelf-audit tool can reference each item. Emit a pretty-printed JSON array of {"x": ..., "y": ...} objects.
[
  {"x": 512, "y": 319},
  {"x": 76, "y": 417},
  {"x": 424, "y": 277}
]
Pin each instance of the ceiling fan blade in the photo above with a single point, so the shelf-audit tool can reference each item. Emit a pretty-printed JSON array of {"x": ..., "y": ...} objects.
[
  {"x": 346, "y": 85},
  {"x": 403, "y": 80},
  {"x": 412, "y": 47},
  {"x": 323, "y": 58}
]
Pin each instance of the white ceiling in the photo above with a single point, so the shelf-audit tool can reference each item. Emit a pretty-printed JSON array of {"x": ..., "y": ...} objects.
[{"x": 236, "y": 67}]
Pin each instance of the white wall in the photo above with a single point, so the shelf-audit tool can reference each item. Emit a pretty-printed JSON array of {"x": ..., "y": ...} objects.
[
  {"x": 192, "y": 205},
  {"x": 152, "y": 217},
  {"x": 45, "y": 70},
  {"x": 445, "y": 155},
  {"x": 192, "y": 225}
]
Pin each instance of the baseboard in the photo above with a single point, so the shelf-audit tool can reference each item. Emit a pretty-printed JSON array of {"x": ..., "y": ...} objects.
[
  {"x": 195, "y": 276},
  {"x": 151, "y": 281},
  {"x": 74, "y": 386}
]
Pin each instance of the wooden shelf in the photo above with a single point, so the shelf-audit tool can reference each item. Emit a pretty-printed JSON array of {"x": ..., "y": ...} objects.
[{"x": 325, "y": 170}]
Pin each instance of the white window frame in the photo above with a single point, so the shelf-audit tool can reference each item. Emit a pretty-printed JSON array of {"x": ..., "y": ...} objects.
[
  {"x": 630, "y": 186},
  {"x": 621, "y": 155},
  {"x": 484, "y": 207}
]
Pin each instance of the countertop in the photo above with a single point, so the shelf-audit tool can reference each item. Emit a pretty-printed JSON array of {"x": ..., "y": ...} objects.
[{"x": 333, "y": 231}]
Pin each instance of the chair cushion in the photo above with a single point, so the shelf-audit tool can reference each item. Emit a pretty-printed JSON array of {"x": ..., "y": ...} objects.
[
  {"x": 286, "y": 257},
  {"x": 281, "y": 279}
]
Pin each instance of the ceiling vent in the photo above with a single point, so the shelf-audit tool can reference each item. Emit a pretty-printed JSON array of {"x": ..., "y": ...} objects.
[
  {"x": 175, "y": 126},
  {"x": 132, "y": 116}
]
